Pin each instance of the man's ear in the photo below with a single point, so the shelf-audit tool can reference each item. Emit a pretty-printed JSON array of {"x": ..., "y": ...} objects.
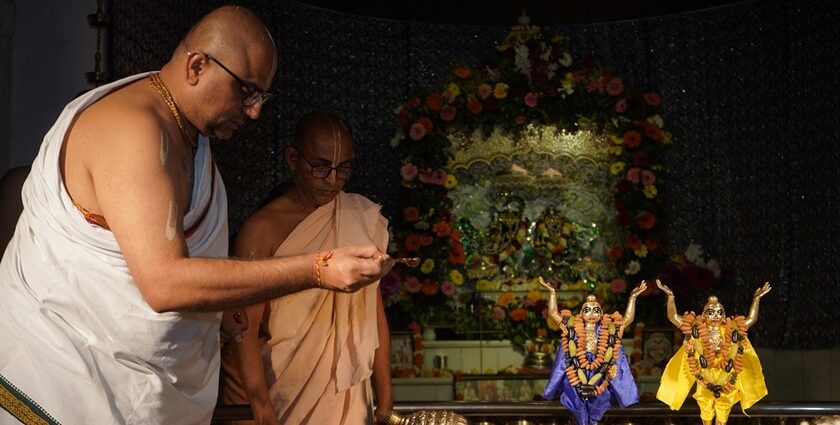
[
  {"x": 291, "y": 155},
  {"x": 195, "y": 67}
]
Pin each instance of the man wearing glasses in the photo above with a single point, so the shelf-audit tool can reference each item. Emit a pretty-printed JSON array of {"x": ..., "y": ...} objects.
[
  {"x": 113, "y": 282},
  {"x": 323, "y": 349}
]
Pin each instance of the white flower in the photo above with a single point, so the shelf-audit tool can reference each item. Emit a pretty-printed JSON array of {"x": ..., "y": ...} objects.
[
  {"x": 656, "y": 119},
  {"x": 521, "y": 61},
  {"x": 694, "y": 253},
  {"x": 714, "y": 267},
  {"x": 398, "y": 137},
  {"x": 552, "y": 68},
  {"x": 566, "y": 59},
  {"x": 546, "y": 55},
  {"x": 633, "y": 267}
]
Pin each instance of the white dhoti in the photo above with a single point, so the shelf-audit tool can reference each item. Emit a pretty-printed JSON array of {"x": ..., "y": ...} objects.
[{"x": 76, "y": 335}]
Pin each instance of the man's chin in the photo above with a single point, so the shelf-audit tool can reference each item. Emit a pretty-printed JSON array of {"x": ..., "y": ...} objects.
[{"x": 222, "y": 134}]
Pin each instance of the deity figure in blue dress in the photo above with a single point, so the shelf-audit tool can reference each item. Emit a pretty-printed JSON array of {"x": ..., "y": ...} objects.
[{"x": 591, "y": 371}]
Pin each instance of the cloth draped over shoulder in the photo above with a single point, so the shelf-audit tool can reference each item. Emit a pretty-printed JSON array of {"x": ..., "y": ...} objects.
[
  {"x": 319, "y": 356},
  {"x": 677, "y": 380},
  {"x": 77, "y": 335}
]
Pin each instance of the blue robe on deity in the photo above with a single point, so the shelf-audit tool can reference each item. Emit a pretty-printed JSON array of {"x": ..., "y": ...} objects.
[{"x": 621, "y": 390}]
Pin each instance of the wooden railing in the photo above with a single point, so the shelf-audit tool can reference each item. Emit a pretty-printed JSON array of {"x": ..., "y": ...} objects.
[{"x": 545, "y": 413}]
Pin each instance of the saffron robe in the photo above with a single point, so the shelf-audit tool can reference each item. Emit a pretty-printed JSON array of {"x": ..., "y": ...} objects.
[
  {"x": 319, "y": 356},
  {"x": 76, "y": 334}
]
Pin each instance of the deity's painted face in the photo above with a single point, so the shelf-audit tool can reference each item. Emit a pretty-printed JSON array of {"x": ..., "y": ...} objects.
[
  {"x": 713, "y": 311},
  {"x": 591, "y": 310}
]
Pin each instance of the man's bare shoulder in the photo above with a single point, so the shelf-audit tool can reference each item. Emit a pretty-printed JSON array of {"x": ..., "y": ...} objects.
[
  {"x": 120, "y": 118},
  {"x": 275, "y": 217}
]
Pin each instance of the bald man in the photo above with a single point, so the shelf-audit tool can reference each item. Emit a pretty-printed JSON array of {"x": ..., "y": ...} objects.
[{"x": 112, "y": 283}]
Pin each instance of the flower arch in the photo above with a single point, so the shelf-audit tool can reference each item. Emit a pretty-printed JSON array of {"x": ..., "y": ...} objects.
[{"x": 531, "y": 82}]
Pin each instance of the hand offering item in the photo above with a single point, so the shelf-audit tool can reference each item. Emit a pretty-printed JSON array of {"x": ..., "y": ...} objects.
[
  {"x": 591, "y": 368},
  {"x": 408, "y": 261},
  {"x": 715, "y": 354}
]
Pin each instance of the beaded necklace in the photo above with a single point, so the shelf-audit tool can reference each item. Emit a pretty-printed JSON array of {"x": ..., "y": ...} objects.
[
  {"x": 603, "y": 366},
  {"x": 702, "y": 355},
  {"x": 157, "y": 83}
]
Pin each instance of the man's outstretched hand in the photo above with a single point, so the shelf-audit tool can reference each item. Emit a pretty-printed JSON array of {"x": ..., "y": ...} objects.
[{"x": 351, "y": 268}]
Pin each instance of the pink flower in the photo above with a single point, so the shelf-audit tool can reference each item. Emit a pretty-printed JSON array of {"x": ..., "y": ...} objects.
[
  {"x": 615, "y": 86},
  {"x": 412, "y": 285},
  {"x": 425, "y": 177},
  {"x": 484, "y": 91},
  {"x": 633, "y": 174},
  {"x": 520, "y": 120},
  {"x": 648, "y": 177},
  {"x": 498, "y": 314},
  {"x": 595, "y": 85},
  {"x": 439, "y": 177},
  {"x": 447, "y": 113},
  {"x": 652, "y": 99},
  {"x": 426, "y": 240},
  {"x": 408, "y": 172},
  {"x": 621, "y": 105},
  {"x": 417, "y": 131},
  {"x": 618, "y": 285},
  {"x": 448, "y": 288},
  {"x": 531, "y": 100}
]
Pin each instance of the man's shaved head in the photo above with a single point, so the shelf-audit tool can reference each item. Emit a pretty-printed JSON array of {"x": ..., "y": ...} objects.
[
  {"x": 231, "y": 32},
  {"x": 315, "y": 123},
  {"x": 225, "y": 58}
]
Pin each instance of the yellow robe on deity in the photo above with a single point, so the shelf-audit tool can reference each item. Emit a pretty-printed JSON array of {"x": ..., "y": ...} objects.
[
  {"x": 319, "y": 356},
  {"x": 677, "y": 381}
]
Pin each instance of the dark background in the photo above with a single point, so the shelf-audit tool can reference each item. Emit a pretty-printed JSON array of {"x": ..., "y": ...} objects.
[{"x": 750, "y": 92}]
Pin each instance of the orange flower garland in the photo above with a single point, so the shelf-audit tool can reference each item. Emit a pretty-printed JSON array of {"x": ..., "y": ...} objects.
[
  {"x": 701, "y": 356},
  {"x": 604, "y": 365}
]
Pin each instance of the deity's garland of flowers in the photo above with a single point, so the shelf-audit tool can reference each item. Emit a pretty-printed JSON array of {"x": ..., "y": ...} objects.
[
  {"x": 531, "y": 80},
  {"x": 702, "y": 356},
  {"x": 573, "y": 340}
]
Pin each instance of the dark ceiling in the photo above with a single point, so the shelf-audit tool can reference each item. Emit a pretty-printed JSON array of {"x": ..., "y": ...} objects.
[{"x": 505, "y": 12}]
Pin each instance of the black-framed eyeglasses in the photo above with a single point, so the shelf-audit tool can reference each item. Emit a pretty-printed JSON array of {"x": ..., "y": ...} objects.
[
  {"x": 252, "y": 94},
  {"x": 342, "y": 171}
]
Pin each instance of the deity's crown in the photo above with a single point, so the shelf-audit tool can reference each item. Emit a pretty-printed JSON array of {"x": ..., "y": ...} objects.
[
  {"x": 591, "y": 301},
  {"x": 712, "y": 302}
]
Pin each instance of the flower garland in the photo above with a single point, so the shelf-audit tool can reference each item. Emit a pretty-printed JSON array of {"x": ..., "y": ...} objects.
[
  {"x": 702, "y": 356},
  {"x": 604, "y": 365},
  {"x": 531, "y": 80}
]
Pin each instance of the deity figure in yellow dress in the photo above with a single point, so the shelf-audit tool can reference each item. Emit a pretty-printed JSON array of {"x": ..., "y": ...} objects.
[{"x": 717, "y": 356}]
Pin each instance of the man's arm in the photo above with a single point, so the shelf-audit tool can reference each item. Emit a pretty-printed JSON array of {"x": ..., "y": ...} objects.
[
  {"x": 254, "y": 241},
  {"x": 382, "y": 362},
  {"x": 143, "y": 194}
]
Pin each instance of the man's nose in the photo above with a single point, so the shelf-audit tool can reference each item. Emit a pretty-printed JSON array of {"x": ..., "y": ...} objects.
[{"x": 332, "y": 176}]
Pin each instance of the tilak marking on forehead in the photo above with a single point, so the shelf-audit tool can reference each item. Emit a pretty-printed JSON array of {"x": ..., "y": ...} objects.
[{"x": 337, "y": 142}]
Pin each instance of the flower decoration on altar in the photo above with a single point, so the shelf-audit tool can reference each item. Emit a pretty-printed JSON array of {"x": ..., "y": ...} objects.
[
  {"x": 531, "y": 81},
  {"x": 691, "y": 271},
  {"x": 522, "y": 318}
]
